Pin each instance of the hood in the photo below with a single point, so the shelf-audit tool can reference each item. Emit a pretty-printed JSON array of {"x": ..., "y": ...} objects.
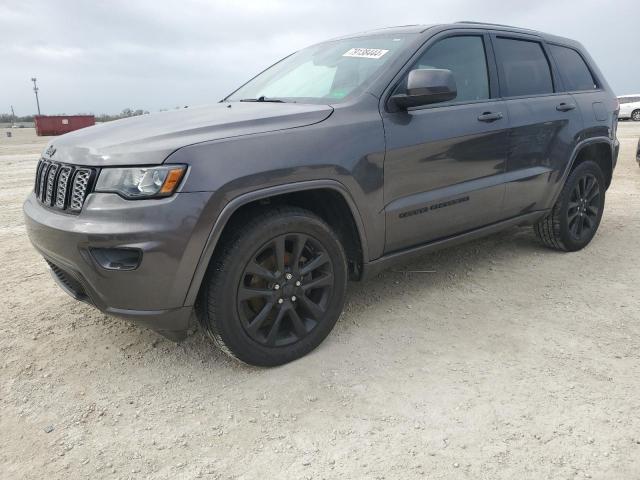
[{"x": 150, "y": 139}]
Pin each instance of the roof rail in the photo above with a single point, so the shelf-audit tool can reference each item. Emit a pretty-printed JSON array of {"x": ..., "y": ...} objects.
[{"x": 492, "y": 24}]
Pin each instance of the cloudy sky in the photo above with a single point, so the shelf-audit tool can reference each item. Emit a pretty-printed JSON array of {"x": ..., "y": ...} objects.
[{"x": 102, "y": 56}]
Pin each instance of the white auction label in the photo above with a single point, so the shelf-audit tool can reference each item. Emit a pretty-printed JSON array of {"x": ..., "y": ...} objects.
[{"x": 374, "y": 53}]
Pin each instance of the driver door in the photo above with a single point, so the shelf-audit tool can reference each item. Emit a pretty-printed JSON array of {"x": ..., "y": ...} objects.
[{"x": 445, "y": 162}]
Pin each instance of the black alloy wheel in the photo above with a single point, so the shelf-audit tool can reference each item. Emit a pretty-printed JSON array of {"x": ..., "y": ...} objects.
[
  {"x": 275, "y": 287},
  {"x": 574, "y": 219},
  {"x": 285, "y": 289},
  {"x": 584, "y": 207}
]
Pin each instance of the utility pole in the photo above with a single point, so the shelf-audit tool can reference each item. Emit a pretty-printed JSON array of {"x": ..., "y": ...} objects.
[
  {"x": 13, "y": 116},
  {"x": 35, "y": 90}
]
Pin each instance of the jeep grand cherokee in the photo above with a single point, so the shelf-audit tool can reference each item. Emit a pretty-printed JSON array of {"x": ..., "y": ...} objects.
[{"x": 330, "y": 165}]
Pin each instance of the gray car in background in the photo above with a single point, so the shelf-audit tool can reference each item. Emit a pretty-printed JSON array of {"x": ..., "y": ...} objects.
[{"x": 329, "y": 166}]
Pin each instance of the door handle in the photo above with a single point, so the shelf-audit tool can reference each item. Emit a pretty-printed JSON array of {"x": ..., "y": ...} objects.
[
  {"x": 565, "y": 107},
  {"x": 490, "y": 116}
]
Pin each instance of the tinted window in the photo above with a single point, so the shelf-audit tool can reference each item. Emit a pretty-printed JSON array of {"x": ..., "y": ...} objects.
[
  {"x": 466, "y": 59},
  {"x": 525, "y": 68},
  {"x": 574, "y": 71}
]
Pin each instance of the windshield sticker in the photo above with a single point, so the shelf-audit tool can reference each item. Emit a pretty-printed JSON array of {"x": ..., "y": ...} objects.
[{"x": 374, "y": 53}]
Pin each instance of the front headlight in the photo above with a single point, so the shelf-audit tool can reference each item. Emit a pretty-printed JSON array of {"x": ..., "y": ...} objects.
[{"x": 141, "y": 182}]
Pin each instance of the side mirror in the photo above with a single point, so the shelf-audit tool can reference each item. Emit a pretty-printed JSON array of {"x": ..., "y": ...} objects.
[{"x": 425, "y": 86}]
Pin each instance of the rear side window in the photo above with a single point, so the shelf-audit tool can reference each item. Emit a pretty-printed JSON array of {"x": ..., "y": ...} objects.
[
  {"x": 525, "y": 68},
  {"x": 574, "y": 71}
]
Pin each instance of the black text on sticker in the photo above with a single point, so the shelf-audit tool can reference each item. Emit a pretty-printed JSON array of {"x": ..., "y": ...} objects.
[{"x": 365, "y": 53}]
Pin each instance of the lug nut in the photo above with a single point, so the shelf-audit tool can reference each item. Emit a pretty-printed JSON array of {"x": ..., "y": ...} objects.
[
  {"x": 298, "y": 283},
  {"x": 276, "y": 287},
  {"x": 293, "y": 299},
  {"x": 280, "y": 300},
  {"x": 288, "y": 276}
]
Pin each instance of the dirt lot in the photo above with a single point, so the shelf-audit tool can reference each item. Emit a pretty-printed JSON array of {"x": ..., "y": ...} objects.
[{"x": 510, "y": 361}]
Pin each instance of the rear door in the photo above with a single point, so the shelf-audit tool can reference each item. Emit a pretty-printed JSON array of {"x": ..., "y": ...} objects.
[
  {"x": 544, "y": 122},
  {"x": 595, "y": 103},
  {"x": 444, "y": 162}
]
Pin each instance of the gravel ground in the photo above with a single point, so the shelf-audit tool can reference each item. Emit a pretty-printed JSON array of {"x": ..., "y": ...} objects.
[{"x": 508, "y": 361}]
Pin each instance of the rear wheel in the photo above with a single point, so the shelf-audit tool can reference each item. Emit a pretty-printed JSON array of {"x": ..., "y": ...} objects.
[
  {"x": 635, "y": 115},
  {"x": 277, "y": 287},
  {"x": 575, "y": 217}
]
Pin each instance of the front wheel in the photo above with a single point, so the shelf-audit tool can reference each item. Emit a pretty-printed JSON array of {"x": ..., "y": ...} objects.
[
  {"x": 635, "y": 115},
  {"x": 276, "y": 288},
  {"x": 575, "y": 217}
]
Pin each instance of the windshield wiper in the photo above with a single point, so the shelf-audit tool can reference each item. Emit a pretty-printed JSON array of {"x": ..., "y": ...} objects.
[{"x": 263, "y": 99}]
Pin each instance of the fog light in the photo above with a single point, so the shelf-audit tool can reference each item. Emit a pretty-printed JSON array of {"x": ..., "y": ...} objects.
[{"x": 117, "y": 258}]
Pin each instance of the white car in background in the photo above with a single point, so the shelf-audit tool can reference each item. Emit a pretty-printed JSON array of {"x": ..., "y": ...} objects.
[{"x": 629, "y": 107}]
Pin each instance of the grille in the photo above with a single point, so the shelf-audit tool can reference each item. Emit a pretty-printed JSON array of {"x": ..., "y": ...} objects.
[
  {"x": 68, "y": 281},
  {"x": 61, "y": 186}
]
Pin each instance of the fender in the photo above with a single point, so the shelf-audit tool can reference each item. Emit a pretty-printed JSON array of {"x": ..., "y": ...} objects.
[
  {"x": 231, "y": 207},
  {"x": 574, "y": 155}
]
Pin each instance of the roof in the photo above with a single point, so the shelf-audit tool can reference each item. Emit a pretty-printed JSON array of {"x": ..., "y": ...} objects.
[
  {"x": 417, "y": 29},
  {"x": 424, "y": 27}
]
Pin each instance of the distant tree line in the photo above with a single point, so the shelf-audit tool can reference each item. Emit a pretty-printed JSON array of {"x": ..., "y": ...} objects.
[
  {"x": 8, "y": 118},
  {"x": 127, "y": 112}
]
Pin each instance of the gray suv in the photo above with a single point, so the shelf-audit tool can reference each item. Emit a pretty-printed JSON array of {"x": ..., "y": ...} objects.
[{"x": 345, "y": 157}]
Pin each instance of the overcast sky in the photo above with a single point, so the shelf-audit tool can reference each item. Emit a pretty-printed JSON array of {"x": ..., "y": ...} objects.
[{"x": 102, "y": 56}]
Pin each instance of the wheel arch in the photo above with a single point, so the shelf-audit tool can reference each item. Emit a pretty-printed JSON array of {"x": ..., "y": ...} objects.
[
  {"x": 301, "y": 192},
  {"x": 599, "y": 149}
]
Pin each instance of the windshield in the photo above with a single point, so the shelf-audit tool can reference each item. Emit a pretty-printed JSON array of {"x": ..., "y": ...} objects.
[{"x": 324, "y": 73}]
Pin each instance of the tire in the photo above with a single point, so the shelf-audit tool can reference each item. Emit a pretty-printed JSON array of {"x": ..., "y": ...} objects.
[
  {"x": 259, "y": 304},
  {"x": 575, "y": 217},
  {"x": 635, "y": 115}
]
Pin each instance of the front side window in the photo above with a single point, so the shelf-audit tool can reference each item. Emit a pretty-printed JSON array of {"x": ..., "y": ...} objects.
[
  {"x": 328, "y": 72},
  {"x": 525, "y": 69},
  {"x": 465, "y": 57},
  {"x": 574, "y": 71}
]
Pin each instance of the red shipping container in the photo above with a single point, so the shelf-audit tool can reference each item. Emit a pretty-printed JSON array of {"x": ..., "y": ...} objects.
[{"x": 59, "y": 124}]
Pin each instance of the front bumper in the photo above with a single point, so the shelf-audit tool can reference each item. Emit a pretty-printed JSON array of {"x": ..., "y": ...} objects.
[{"x": 170, "y": 233}]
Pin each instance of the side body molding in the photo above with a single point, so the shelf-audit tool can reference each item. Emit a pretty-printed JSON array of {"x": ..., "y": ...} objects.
[{"x": 233, "y": 205}]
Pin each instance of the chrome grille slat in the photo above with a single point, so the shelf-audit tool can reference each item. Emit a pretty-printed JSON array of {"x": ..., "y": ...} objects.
[
  {"x": 63, "y": 186},
  {"x": 61, "y": 189},
  {"x": 36, "y": 188},
  {"x": 51, "y": 178},
  {"x": 79, "y": 189},
  {"x": 43, "y": 176}
]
